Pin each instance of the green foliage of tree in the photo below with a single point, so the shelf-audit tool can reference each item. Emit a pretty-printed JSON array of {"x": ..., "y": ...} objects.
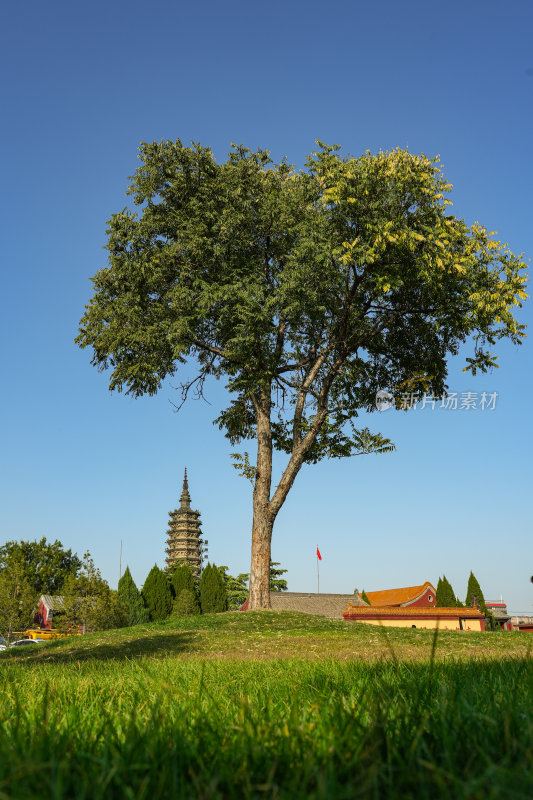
[
  {"x": 182, "y": 578},
  {"x": 132, "y": 600},
  {"x": 308, "y": 290},
  {"x": 474, "y": 592},
  {"x": 445, "y": 597},
  {"x": 185, "y": 604},
  {"x": 46, "y": 564},
  {"x": 157, "y": 594},
  {"x": 277, "y": 584},
  {"x": 213, "y": 598},
  {"x": 89, "y": 603},
  {"x": 236, "y": 588},
  {"x": 18, "y": 599},
  {"x": 364, "y": 597}
]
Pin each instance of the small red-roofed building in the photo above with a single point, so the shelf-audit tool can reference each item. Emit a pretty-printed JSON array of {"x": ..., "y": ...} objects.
[
  {"x": 49, "y": 605},
  {"x": 450, "y": 619},
  {"x": 423, "y": 596}
]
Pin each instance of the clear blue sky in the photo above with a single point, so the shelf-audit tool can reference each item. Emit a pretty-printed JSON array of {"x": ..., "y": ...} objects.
[{"x": 82, "y": 86}]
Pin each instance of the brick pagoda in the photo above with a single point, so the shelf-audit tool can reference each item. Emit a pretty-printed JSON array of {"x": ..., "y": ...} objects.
[{"x": 184, "y": 542}]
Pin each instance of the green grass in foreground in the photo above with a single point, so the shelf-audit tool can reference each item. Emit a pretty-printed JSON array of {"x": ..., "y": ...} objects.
[{"x": 182, "y": 717}]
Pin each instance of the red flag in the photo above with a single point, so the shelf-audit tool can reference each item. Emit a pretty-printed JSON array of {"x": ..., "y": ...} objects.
[{"x": 318, "y": 554}]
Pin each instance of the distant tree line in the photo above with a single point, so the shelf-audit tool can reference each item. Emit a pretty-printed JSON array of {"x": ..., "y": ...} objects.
[
  {"x": 175, "y": 592},
  {"x": 446, "y": 597},
  {"x": 31, "y": 569}
]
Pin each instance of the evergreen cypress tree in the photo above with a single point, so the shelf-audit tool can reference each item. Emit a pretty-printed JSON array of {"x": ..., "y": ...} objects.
[
  {"x": 131, "y": 600},
  {"x": 182, "y": 578},
  {"x": 474, "y": 590},
  {"x": 236, "y": 588},
  {"x": 445, "y": 597},
  {"x": 213, "y": 598},
  {"x": 365, "y": 597},
  {"x": 156, "y": 594},
  {"x": 277, "y": 584}
]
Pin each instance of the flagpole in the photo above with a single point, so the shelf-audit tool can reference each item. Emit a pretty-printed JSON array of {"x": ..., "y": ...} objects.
[{"x": 317, "y": 572}]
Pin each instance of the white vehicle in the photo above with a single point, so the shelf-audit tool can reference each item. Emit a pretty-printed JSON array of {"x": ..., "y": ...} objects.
[
  {"x": 3, "y": 644},
  {"x": 21, "y": 642}
]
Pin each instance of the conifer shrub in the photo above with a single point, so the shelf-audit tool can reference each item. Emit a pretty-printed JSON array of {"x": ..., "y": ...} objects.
[
  {"x": 213, "y": 598},
  {"x": 157, "y": 594},
  {"x": 182, "y": 578},
  {"x": 185, "y": 604},
  {"x": 364, "y": 597},
  {"x": 131, "y": 600},
  {"x": 89, "y": 602}
]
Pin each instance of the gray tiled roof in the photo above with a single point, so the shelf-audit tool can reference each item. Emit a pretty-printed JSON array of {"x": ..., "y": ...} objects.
[
  {"x": 324, "y": 605},
  {"x": 499, "y": 613},
  {"x": 53, "y": 602}
]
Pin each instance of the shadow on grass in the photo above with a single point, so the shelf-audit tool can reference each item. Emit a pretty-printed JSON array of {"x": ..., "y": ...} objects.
[{"x": 92, "y": 649}]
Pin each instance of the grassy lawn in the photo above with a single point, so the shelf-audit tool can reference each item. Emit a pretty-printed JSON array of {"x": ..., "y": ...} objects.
[{"x": 268, "y": 705}]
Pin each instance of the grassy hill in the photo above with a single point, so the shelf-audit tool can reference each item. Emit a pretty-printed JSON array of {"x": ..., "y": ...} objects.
[
  {"x": 275, "y": 634},
  {"x": 268, "y": 705}
]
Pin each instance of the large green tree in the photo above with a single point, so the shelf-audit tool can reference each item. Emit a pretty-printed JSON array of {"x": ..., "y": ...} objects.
[
  {"x": 47, "y": 564},
  {"x": 18, "y": 599},
  {"x": 307, "y": 290},
  {"x": 88, "y": 601}
]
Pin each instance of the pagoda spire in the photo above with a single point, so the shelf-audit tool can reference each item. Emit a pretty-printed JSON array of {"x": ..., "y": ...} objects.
[{"x": 185, "y": 498}]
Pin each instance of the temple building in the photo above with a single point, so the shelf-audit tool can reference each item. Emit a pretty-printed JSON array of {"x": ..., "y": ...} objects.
[
  {"x": 431, "y": 617},
  {"x": 424, "y": 595},
  {"x": 184, "y": 542}
]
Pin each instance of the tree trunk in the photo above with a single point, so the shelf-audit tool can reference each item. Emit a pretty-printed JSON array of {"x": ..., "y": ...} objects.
[
  {"x": 263, "y": 521},
  {"x": 266, "y": 509},
  {"x": 259, "y": 596}
]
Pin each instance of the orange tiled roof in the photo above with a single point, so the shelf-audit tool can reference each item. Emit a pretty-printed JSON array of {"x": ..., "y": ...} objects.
[
  {"x": 411, "y": 611},
  {"x": 395, "y": 597}
]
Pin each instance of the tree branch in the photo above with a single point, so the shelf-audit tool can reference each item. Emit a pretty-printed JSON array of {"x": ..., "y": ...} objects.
[
  {"x": 281, "y": 336},
  {"x": 210, "y": 349},
  {"x": 186, "y": 387},
  {"x": 302, "y": 394}
]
